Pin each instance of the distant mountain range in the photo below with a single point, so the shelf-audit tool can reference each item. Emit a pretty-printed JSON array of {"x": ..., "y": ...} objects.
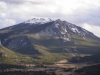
[{"x": 47, "y": 41}]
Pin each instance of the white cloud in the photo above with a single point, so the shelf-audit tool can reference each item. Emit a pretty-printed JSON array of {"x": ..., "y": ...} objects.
[
  {"x": 6, "y": 22},
  {"x": 92, "y": 28},
  {"x": 3, "y": 7}
]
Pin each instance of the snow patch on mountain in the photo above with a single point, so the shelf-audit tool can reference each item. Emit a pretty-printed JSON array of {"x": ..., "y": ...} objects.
[
  {"x": 75, "y": 30},
  {"x": 57, "y": 25},
  {"x": 38, "y": 21}
]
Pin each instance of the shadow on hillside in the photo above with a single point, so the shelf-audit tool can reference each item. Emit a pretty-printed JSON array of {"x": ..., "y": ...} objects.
[
  {"x": 28, "y": 51},
  {"x": 91, "y": 59}
]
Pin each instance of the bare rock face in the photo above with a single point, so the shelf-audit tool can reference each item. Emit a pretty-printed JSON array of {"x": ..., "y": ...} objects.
[{"x": 64, "y": 30}]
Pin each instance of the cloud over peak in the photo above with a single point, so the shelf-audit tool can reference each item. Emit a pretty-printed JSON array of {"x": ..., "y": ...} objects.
[{"x": 79, "y": 12}]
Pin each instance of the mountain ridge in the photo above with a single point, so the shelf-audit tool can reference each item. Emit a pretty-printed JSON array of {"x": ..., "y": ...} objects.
[{"x": 62, "y": 25}]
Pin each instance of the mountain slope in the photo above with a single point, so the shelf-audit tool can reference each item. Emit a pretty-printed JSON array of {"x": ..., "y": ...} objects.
[
  {"x": 43, "y": 38},
  {"x": 10, "y": 57}
]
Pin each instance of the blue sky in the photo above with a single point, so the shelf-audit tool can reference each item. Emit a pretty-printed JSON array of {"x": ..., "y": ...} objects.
[{"x": 84, "y": 13}]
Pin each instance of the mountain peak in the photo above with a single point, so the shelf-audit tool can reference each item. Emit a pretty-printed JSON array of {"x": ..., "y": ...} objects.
[
  {"x": 58, "y": 20},
  {"x": 39, "y": 20}
]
